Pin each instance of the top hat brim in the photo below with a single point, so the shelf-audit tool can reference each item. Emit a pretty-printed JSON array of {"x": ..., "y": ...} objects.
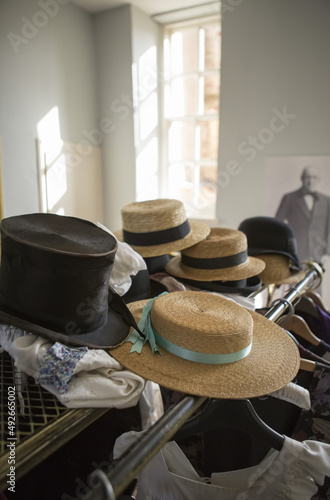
[
  {"x": 251, "y": 267},
  {"x": 110, "y": 335},
  {"x": 198, "y": 231},
  {"x": 273, "y": 362}
]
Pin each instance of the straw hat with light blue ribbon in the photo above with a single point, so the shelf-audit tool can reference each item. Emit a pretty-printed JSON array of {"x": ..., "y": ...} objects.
[{"x": 206, "y": 345}]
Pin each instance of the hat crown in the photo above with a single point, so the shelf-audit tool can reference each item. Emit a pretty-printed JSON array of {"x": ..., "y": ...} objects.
[
  {"x": 220, "y": 242},
  {"x": 158, "y": 227},
  {"x": 202, "y": 322},
  {"x": 270, "y": 235},
  {"x": 55, "y": 272},
  {"x": 62, "y": 234},
  {"x": 153, "y": 215}
]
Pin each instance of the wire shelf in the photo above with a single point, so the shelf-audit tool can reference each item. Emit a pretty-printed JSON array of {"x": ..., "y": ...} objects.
[{"x": 32, "y": 421}]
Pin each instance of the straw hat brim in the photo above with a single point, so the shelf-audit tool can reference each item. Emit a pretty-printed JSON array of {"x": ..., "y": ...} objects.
[
  {"x": 198, "y": 231},
  {"x": 251, "y": 267},
  {"x": 273, "y": 362},
  {"x": 277, "y": 271}
]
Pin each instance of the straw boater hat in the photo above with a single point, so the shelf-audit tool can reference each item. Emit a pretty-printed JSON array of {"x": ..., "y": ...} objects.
[
  {"x": 158, "y": 227},
  {"x": 54, "y": 280},
  {"x": 209, "y": 346},
  {"x": 274, "y": 241},
  {"x": 278, "y": 270},
  {"x": 222, "y": 255}
]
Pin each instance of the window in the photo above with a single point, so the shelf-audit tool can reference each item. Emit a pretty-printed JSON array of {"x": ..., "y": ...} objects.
[{"x": 191, "y": 94}]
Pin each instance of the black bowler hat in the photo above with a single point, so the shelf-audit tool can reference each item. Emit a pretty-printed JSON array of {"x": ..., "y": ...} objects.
[
  {"x": 54, "y": 280},
  {"x": 269, "y": 235}
]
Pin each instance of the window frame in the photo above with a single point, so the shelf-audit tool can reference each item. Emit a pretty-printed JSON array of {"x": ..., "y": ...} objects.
[{"x": 165, "y": 122}]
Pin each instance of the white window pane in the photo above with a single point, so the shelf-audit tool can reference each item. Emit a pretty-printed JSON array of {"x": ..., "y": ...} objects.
[
  {"x": 209, "y": 139},
  {"x": 212, "y": 45},
  {"x": 176, "y": 63},
  {"x": 181, "y": 141},
  {"x": 180, "y": 181},
  {"x": 182, "y": 98},
  {"x": 211, "y": 94},
  {"x": 196, "y": 187},
  {"x": 184, "y": 51}
]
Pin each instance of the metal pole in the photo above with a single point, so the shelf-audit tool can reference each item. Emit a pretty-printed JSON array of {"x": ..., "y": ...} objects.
[
  {"x": 135, "y": 459},
  {"x": 315, "y": 272}
]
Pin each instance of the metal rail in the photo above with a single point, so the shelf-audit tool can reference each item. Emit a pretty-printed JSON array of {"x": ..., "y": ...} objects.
[
  {"x": 125, "y": 470},
  {"x": 107, "y": 487},
  {"x": 312, "y": 280}
]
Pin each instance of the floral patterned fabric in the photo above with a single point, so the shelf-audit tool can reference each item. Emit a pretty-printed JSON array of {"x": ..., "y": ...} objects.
[{"x": 58, "y": 364}]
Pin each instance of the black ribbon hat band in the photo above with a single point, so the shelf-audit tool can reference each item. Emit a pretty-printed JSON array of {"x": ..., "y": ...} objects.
[
  {"x": 157, "y": 237},
  {"x": 215, "y": 263}
]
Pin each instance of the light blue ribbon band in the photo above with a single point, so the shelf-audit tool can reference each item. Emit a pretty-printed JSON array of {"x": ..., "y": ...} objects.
[
  {"x": 201, "y": 357},
  {"x": 155, "y": 340},
  {"x": 145, "y": 327}
]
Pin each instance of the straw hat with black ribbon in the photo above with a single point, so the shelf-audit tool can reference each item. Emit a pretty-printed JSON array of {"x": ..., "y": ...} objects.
[
  {"x": 274, "y": 242},
  {"x": 158, "y": 227},
  {"x": 203, "y": 344},
  {"x": 221, "y": 256},
  {"x": 278, "y": 270}
]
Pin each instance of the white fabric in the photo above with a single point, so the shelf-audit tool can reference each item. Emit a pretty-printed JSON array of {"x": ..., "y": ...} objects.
[
  {"x": 290, "y": 474},
  {"x": 98, "y": 379},
  {"x": 127, "y": 263},
  {"x": 295, "y": 394},
  {"x": 150, "y": 405}
]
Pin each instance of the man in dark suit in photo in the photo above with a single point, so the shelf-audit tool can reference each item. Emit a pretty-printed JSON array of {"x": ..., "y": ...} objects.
[{"x": 308, "y": 213}]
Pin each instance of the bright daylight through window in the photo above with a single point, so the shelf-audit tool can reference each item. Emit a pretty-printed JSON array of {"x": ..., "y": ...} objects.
[{"x": 191, "y": 113}]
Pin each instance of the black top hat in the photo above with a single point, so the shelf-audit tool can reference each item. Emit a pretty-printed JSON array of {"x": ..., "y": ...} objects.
[
  {"x": 54, "y": 280},
  {"x": 267, "y": 235}
]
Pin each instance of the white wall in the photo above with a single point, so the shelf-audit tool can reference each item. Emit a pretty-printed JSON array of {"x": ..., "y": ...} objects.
[
  {"x": 113, "y": 48},
  {"x": 275, "y": 56},
  {"x": 45, "y": 64},
  {"x": 122, "y": 36}
]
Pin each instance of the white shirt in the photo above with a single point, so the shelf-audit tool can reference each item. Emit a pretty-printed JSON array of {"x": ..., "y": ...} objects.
[
  {"x": 309, "y": 199},
  {"x": 290, "y": 474}
]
